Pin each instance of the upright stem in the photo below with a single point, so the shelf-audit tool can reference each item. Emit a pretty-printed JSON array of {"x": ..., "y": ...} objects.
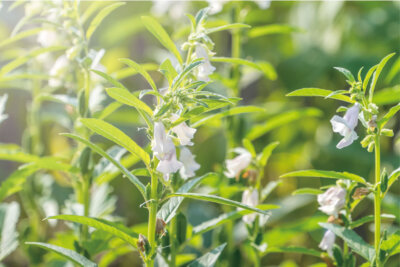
[
  {"x": 377, "y": 200},
  {"x": 172, "y": 238},
  {"x": 152, "y": 219},
  {"x": 236, "y": 49}
]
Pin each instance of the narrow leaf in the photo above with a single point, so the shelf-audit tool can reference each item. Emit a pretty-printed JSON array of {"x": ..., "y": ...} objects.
[
  {"x": 347, "y": 74},
  {"x": 67, "y": 253},
  {"x": 320, "y": 93},
  {"x": 266, "y": 153},
  {"x": 388, "y": 116},
  {"x": 272, "y": 29},
  {"x": 310, "y": 191},
  {"x": 209, "y": 259},
  {"x": 140, "y": 70},
  {"x": 227, "y": 27},
  {"x": 293, "y": 249},
  {"x": 325, "y": 174},
  {"x": 377, "y": 73},
  {"x": 125, "y": 97},
  {"x": 110, "y": 79},
  {"x": 113, "y": 228},
  {"x": 218, "y": 200},
  {"x": 117, "y": 136},
  {"x": 158, "y": 31}
]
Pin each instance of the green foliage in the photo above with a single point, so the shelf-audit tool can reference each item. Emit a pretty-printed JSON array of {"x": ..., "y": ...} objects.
[
  {"x": 326, "y": 174},
  {"x": 208, "y": 259}
]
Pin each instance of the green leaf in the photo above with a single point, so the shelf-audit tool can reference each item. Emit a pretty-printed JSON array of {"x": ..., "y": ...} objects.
[
  {"x": 394, "y": 176},
  {"x": 394, "y": 70},
  {"x": 310, "y": 191},
  {"x": 23, "y": 59},
  {"x": 266, "y": 153},
  {"x": 368, "y": 77},
  {"x": 140, "y": 70},
  {"x": 353, "y": 240},
  {"x": 116, "y": 163},
  {"x": 125, "y": 97},
  {"x": 168, "y": 70},
  {"x": 20, "y": 36},
  {"x": 226, "y": 113},
  {"x": 347, "y": 74},
  {"x": 387, "y": 96},
  {"x": 9, "y": 213},
  {"x": 392, "y": 244},
  {"x": 117, "y": 136},
  {"x": 67, "y": 253},
  {"x": 158, "y": 31},
  {"x": 100, "y": 17},
  {"x": 263, "y": 66},
  {"x": 14, "y": 153},
  {"x": 227, "y": 217},
  {"x": 209, "y": 259},
  {"x": 369, "y": 218},
  {"x": 184, "y": 73},
  {"x": 293, "y": 249},
  {"x": 227, "y": 27},
  {"x": 325, "y": 174},
  {"x": 388, "y": 116},
  {"x": 272, "y": 29},
  {"x": 169, "y": 208},
  {"x": 218, "y": 200},
  {"x": 320, "y": 93},
  {"x": 109, "y": 78},
  {"x": 280, "y": 120},
  {"x": 249, "y": 147},
  {"x": 113, "y": 228},
  {"x": 267, "y": 190},
  {"x": 377, "y": 73}
]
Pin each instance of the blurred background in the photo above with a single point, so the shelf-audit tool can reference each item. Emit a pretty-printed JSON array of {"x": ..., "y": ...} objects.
[{"x": 318, "y": 36}]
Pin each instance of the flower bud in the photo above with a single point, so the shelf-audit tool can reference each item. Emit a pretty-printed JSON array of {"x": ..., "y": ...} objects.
[{"x": 372, "y": 123}]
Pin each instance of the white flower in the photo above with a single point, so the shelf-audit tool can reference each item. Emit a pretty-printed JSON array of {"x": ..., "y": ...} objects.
[
  {"x": 58, "y": 70},
  {"x": 175, "y": 9},
  {"x": 189, "y": 164},
  {"x": 263, "y": 4},
  {"x": 332, "y": 201},
  {"x": 3, "y": 101},
  {"x": 183, "y": 131},
  {"x": 236, "y": 165},
  {"x": 97, "y": 96},
  {"x": 164, "y": 150},
  {"x": 250, "y": 198},
  {"x": 345, "y": 126},
  {"x": 215, "y": 6},
  {"x": 328, "y": 241},
  {"x": 47, "y": 38},
  {"x": 205, "y": 69}
]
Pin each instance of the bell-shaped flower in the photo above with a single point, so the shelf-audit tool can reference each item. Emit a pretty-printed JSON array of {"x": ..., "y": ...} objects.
[
  {"x": 164, "y": 149},
  {"x": 3, "y": 101},
  {"x": 238, "y": 164},
  {"x": 183, "y": 131},
  {"x": 345, "y": 126},
  {"x": 250, "y": 198},
  {"x": 328, "y": 241},
  {"x": 332, "y": 200},
  {"x": 205, "y": 69},
  {"x": 190, "y": 166}
]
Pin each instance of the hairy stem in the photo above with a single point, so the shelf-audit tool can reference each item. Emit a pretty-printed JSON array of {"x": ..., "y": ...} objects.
[{"x": 377, "y": 197}]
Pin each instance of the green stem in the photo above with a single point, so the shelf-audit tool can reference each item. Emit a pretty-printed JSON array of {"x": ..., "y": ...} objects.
[
  {"x": 152, "y": 219},
  {"x": 172, "y": 238},
  {"x": 236, "y": 36},
  {"x": 377, "y": 197},
  {"x": 86, "y": 205}
]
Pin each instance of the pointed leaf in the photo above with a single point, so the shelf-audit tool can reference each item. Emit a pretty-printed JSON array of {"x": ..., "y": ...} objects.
[
  {"x": 227, "y": 27},
  {"x": 110, "y": 79},
  {"x": 125, "y": 97},
  {"x": 9, "y": 235},
  {"x": 117, "y": 136},
  {"x": 209, "y": 259},
  {"x": 100, "y": 17},
  {"x": 325, "y": 174},
  {"x": 388, "y": 116},
  {"x": 113, "y": 228},
  {"x": 67, "y": 253},
  {"x": 140, "y": 70},
  {"x": 266, "y": 153},
  {"x": 218, "y": 200},
  {"x": 272, "y": 29},
  {"x": 377, "y": 73},
  {"x": 319, "y": 92},
  {"x": 158, "y": 31},
  {"x": 347, "y": 74},
  {"x": 116, "y": 163}
]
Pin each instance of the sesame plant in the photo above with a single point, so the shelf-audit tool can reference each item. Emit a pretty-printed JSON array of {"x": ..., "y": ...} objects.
[{"x": 340, "y": 200}]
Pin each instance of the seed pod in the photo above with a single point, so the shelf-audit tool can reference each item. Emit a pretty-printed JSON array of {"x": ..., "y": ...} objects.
[
  {"x": 143, "y": 244},
  {"x": 82, "y": 103},
  {"x": 360, "y": 192},
  {"x": 181, "y": 224},
  {"x": 84, "y": 160},
  {"x": 384, "y": 181},
  {"x": 160, "y": 227}
]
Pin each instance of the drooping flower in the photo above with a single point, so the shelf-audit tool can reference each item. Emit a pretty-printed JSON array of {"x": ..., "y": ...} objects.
[
  {"x": 345, "y": 126},
  {"x": 3, "y": 101},
  {"x": 250, "y": 198},
  {"x": 332, "y": 201},
  {"x": 239, "y": 163},
  {"x": 183, "y": 131},
  {"x": 189, "y": 164},
  {"x": 205, "y": 69},
  {"x": 164, "y": 149},
  {"x": 328, "y": 241}
]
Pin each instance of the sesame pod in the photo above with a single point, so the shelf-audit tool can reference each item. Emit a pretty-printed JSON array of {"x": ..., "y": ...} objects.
[
  {"x": 337, "y": 255},
  {"x": 82, "y": 103},
  {"x": 148, "y": 191},
  {"x": 84, "y": 160},
  {"x": 384, "y": 181},
  {"x": 181, "y": 224}
]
